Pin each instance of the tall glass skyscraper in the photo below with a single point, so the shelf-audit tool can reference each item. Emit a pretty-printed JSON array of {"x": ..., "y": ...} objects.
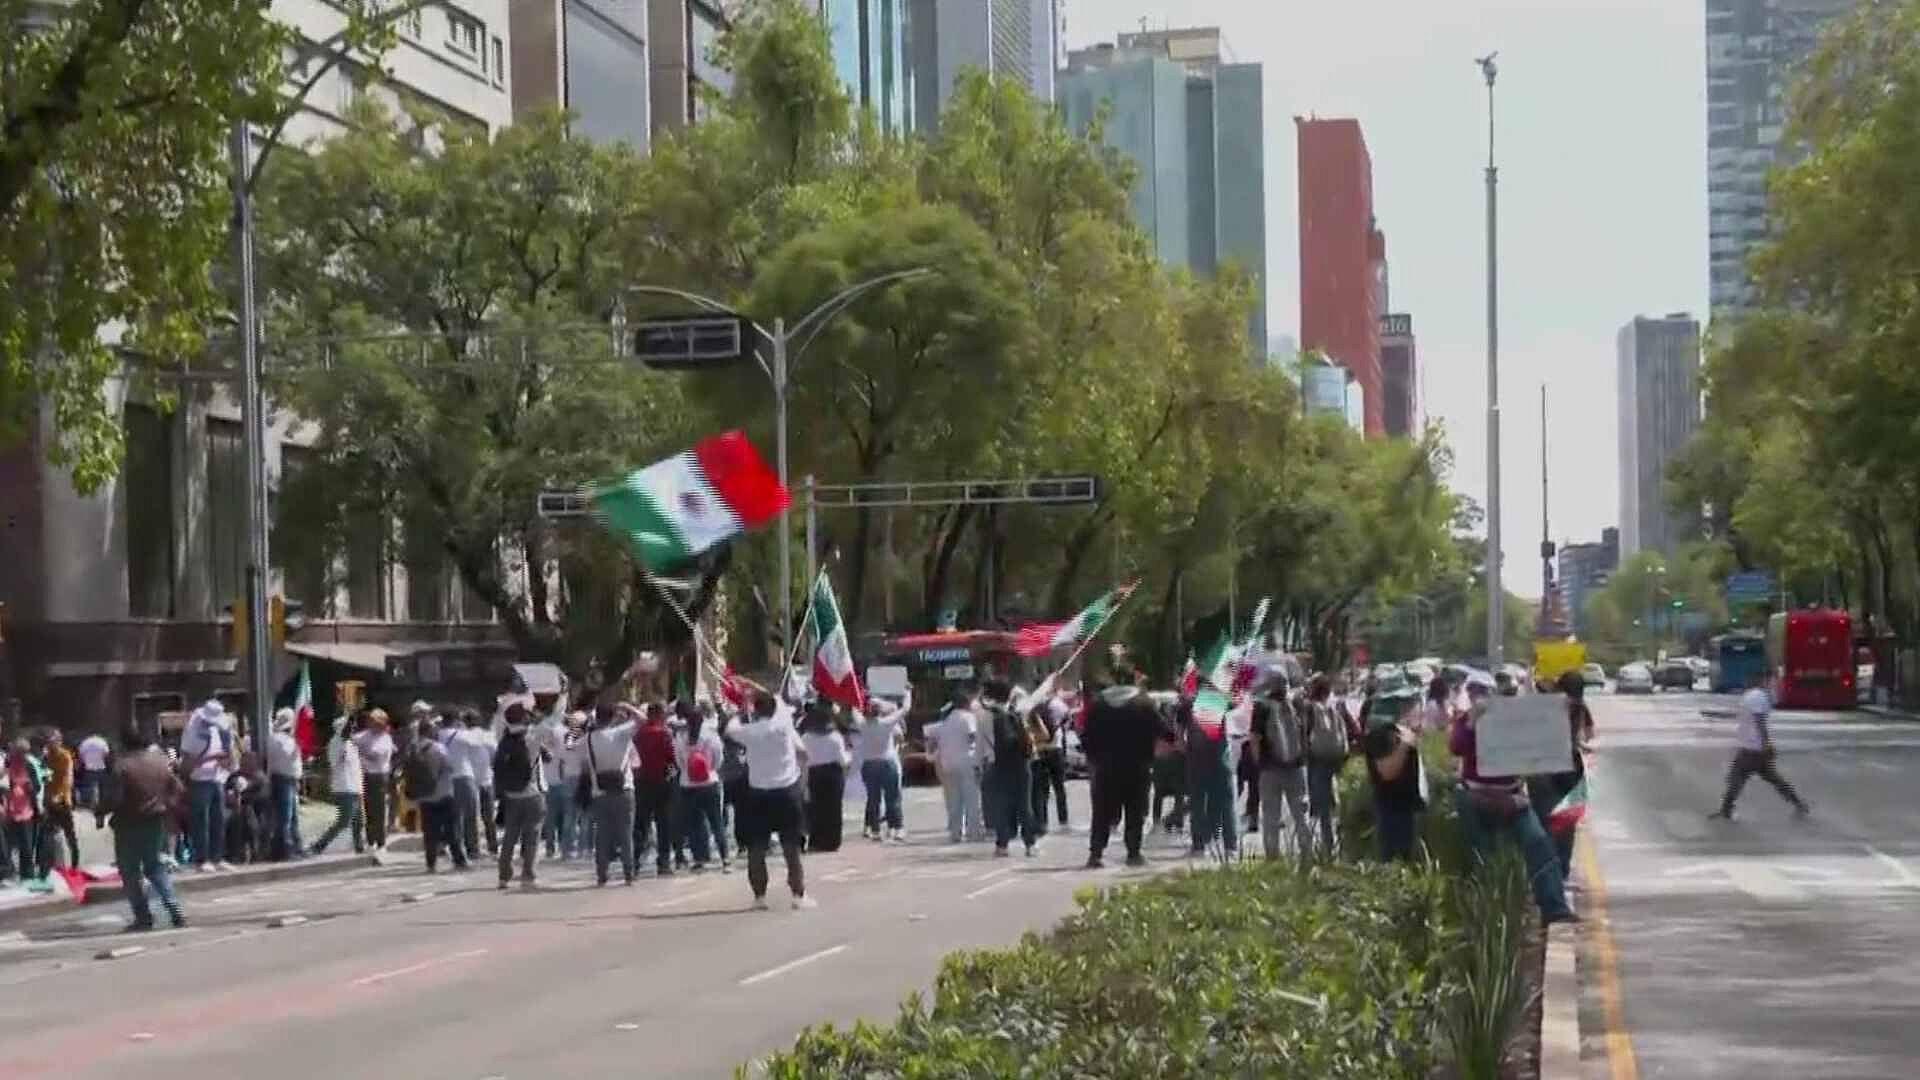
[{"x": 869, "y": 39}]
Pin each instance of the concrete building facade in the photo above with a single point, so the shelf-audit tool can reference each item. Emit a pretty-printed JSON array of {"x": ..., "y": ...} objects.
[
  {"x": 1399, "y": 377},
  {"x": 1753, "y": 49},
  {"x": 1007, "y": 39},
  {"x": 681, "y": 72},
  {"x": 1585, "y": 569},
  {"x": 117, "y": 601},
  {"x": 1659, "y": 387},
  {"x": 1342, "y": 255}
]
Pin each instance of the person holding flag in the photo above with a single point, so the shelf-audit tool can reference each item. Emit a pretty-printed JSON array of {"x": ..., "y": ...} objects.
[
  {"x": 1122, "y": 726},
  {"x": 775, "y": 767}
]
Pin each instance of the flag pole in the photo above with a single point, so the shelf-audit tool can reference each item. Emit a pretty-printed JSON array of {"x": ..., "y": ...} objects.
[
  {"x": 806, "y": 619},
  {"x": 1082, "y": 647},
  {"x": 700, "y": 645}
]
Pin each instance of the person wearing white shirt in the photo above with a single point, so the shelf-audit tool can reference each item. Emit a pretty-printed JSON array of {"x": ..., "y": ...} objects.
[
  {"x": 207, "y": 746},
  {"x": 554, "y": 743},
  {"x": 1050, "y": 762},
  {"x": 1754, "y": 752},
  {"x": 698, "y": 751},
  {"x": 477, "y": 744},
  {"x": 879, "y": 729},
  {"x": 284, "y": 771},
  {"x": 345, "y": 780},
  {"x": 608, "y": 758},
  {"x": 774, "y": 758},
  {"x": 375, "y": 744},
  {"x": 957, "y": 754},
  {"x": 93, "y": 755},
  {"x": 827, "y": 761}
]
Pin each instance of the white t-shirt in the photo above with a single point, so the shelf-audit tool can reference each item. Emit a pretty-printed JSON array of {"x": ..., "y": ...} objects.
[
  {"x": 551, "y": 735},
  {"x": 826, "y": 749},
  {"x": 458, "y": 763},
  {"x": 1755, "y": 706},
  {"x": 206, "y": 736},
  {"x": 477, "y": 745},
  {"x": 607, "y": 749},
  {"x": 283, "y": 756},
  {"x": 343, "y": 762},
  {"x": 880, "y": 736},
  {"x": 93, "y": 751},
  {"x": 709, "y": 741},
  {"x": 953, "y": 740},
  {"x": 376, "y": 752},
  {"x": 773, "y": 750}
]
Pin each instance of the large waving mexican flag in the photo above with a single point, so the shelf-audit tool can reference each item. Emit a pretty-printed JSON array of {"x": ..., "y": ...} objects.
[
  {"x": 674, "y": 510},
  {"x": 833, "y": 674}
]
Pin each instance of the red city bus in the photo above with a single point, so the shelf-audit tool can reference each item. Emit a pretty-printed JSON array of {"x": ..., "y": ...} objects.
[{"x": 1811, "y": 655}]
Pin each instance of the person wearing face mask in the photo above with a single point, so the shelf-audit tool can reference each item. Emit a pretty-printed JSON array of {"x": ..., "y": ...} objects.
[{"x": 1496, "y": 807}]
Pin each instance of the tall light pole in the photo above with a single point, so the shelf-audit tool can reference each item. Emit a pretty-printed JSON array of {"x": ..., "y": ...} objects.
[
  {"x": 253, "y": 410},
  {"x": 1496, "y": 595},
  {"x": 784, "y": 345}
]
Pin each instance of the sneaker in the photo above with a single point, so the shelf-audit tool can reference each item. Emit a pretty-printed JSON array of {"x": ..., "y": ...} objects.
[
  {"x": 726, "y": 866},
  {"x": 1563, "y": 917},
  {"x": 665, "y": 871},
  {"x": 805, "y": 903},
  {"x": 1032, "y": 849},
  {"x": 137, "y": 927},
  {"x": 1094, "y": 862},
  {"x": 1720, "y": 815},
  {"x": 1000, "y": 851},
  {"x": 504, "y": 882},
  {"x": 760, "y": 903},
  {"x": 179, "y": 921},
  {"x": 898, "y": 836},
  {"x": 699, "y": 868},
  {"x": 1136, "y": 860},
  {"x": 528, "y": 884}
]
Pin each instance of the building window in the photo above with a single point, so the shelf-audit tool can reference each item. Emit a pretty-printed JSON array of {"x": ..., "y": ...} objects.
[
  {"x": 428, "y": 573},
  {"x": 410, "y": 25},
  {"x": 499, "y": 61},
  {"x": 367, "y": 551},
  {"x": 148, "y": 486},
  {"x": 304, "y": 556},
  {"x": 467, "y": 35},
  {"x": 226, "y": 516}
]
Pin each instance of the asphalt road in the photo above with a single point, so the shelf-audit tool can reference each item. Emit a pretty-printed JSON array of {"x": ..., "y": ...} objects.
[
  {"x": 1764, "y": 946},
  {"x": 393, "y": 973}
]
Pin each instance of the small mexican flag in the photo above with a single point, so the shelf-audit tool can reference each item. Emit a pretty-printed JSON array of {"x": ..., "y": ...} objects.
[
  {"x": 1566, "y": 816},
  {"x": 1190, "y": 678},
  {"x": 1216, "y": 665},
  {"x": 1210, "y": 712},
  {"x": 833, "y": 674},
  {"x": 1039, "y": 639},
  {"x": 305, "y": 731},
  {"x": 673, "y": 510}
]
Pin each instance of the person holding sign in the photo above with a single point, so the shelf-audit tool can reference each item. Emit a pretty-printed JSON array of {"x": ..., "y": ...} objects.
[{"x": 1495, "y": 806}]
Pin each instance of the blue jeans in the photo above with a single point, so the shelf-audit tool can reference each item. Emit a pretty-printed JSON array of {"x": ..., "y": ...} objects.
[
  {"x": 207, "y": 821},
  {"x": 558, "y": 832},
  {"x": 286, "y": 814},
  {"x": 1010, "y": 802},
  {"x": 136, "y": 850},
  {"x": 1396, "y": 830},
  {"x": 1213, "y": 813},
  {"x": 1545, "y": 792},
  {"x": 703, "y": 821},
  {"x": 881, "y": 778},
  {"x": 1485, "y": 827}
]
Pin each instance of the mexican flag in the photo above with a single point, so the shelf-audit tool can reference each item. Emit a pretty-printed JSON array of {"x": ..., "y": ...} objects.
[
  {"x": 1210, "y": 712},
  {"x": 305, "y": 730},
  {"x": 673, "y": 510},
  {"x": 1190, "y": 678},
  {"x": 833, "y": 674},
  {"x": 1567, "y": 814},
  {"x": 732, "y": 690},
  {"x": 1243, "y": 669},
  {"x": 1039, "y": 639},
  {"x": 1216, "y": 664}
]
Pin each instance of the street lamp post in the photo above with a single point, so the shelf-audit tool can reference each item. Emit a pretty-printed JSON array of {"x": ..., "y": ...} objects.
[
  {"x": 1496, "y": 596},
  {"x": 783, "y": 346}
]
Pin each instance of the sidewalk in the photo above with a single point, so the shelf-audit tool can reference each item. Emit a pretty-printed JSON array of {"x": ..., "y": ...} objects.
[
  {"x": 18, "y": 904},
  {"x": 1887, "y": 711}
]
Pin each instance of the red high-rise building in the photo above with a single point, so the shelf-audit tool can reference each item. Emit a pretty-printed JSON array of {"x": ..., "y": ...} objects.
[{"x": 1342, "y": 256}]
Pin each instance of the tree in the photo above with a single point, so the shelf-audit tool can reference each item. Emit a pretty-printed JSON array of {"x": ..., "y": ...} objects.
[{"x": 495, "y": 262}]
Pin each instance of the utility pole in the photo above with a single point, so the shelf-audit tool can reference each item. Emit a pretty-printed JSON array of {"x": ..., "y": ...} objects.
[
  {"x": 1496, "y": 596},
  {"x": 1546, "y": 535},
  {"x": 254, "y": 425}
]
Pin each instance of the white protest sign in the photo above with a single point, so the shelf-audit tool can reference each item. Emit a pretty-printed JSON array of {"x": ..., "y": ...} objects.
[
  {"x": 1521, "y": 736},
  {"x": 887, "y": 680}
]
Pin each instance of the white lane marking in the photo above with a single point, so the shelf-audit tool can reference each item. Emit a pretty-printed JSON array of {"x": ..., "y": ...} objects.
[
  {"x": 776, "y": 972},
  {"x": 683, "y": 898},
  {"x": 1906, "y": 877},
  {"x": 985, "y": 889},
  {"x": 383, "y": 976},
  {"x": 991, "y": 874}
]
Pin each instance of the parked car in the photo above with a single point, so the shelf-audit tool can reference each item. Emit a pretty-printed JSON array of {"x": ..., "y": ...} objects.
[
  {"x": 1633, "y": 678},
  {"x": 1593, "y": 675},
  {"x": 1675, "y": 675}
]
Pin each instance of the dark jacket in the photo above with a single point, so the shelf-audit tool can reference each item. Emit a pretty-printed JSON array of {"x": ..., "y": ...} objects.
[
  {"x": 1122, "y": 725},
  {"x": 144, "y": 789}
]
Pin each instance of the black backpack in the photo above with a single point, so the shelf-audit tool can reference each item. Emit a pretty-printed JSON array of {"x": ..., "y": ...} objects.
[
  {"x": 512, "y": 764},
  {"x": 417, "y": 773}
]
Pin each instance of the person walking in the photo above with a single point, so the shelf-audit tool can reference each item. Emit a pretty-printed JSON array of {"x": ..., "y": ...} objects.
[
  {"x": 879, "y": 729},
  {"x": 1754, "y": 753},
  {"x": 59, "y": 799},
  {"x": 699, "y": 751},
  {"x": 346, "y": 782},
  {"x": 523, "y": 793},
  {"x": 470, "y": 751},
  {"x": 1399, "y": 784},
  {"x": 954, "y": 740},
  {"x": 1049, "y": 715},
  {"x": 1279, "y": 754},
  {"x": 94, "y": 759},
  {"x": 207, "y": 753},
  {"x": 557, "y": 737},
  {"x": 20, "y": 810},
  {"x": 656, "y": 777},
  {"x": 481, "y": 743},
  {"x": 284, "y": 773},
  {"x": 375, "y": 745},
  {"x": 428, "y": 774},
  {"x": 827, "y": 761},
  {"x": 1496, "y": 807},
  {"x": 607, "y": 756},
  {"x": 1010, "y": 766},
  {"x": 1328, "y": 747},
  {"x": 1210, "y": 770},
  {"x": 139, "y": 797},
  {"x": 775, "y": 758},
  {"x": 1122, "y": 726}
]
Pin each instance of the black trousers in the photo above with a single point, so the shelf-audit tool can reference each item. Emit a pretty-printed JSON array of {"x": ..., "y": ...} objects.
[
  {"x": 653, "y": 809},
  {"x": 1747, "y": 763},
  {"x": 826, "y": 795},
  {"x": 1119, "y": 793},
  {"x": 770, "y": 813},
  {"x": 375, "y": 794},
  {"x": 440, "y": 827},
  {"x": 1049, "y": 777}
]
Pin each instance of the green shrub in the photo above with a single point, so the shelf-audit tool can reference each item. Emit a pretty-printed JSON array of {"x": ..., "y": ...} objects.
[
  {"x": 1260, "y": 969},
  {"x": 1442, "y": 839},
  {"x": 1495, "y": 908}
]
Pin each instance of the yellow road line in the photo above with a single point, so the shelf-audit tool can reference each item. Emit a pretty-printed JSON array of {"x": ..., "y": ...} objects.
[{"x": 1621, "y": 1063}]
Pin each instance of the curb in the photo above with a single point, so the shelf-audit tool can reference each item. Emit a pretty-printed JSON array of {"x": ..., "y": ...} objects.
[
  {"x": 1560, "y": 1006},
  {"x": 190, "y": 884},
  {"x": 1886, "y": 712}
]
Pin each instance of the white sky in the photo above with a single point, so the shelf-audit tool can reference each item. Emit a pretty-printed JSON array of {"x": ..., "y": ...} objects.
[{"x": 1602, "y": 155}]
